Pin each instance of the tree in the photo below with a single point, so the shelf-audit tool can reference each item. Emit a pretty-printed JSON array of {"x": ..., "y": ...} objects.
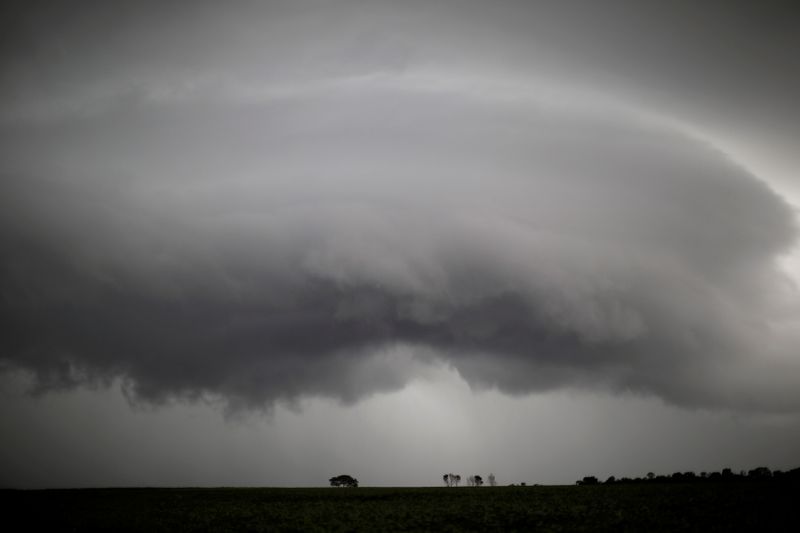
[
  {"x": 762, "y": 472},
  {"x": 492, "y": 480},
  {"x": 451, "y": 480},
  {"x": 478, "y": 480},
  {"x": 344, "y": 481}
]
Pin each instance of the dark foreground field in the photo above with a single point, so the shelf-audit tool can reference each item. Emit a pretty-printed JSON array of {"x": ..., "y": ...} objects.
[{"x": 653, "y": 507}]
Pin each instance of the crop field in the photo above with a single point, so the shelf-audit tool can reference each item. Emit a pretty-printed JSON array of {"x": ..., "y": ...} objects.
[{"x": 651, "y": 507}]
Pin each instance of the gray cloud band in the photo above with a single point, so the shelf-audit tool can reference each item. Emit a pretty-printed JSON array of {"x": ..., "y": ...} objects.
[{"x": 271, "y": 250}]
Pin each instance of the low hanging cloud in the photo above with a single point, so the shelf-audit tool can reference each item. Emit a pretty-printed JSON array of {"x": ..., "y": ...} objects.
[{"x": 336, "y": 240}]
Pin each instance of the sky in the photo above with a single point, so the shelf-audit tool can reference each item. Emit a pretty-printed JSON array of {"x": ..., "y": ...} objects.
[{"x": 265, "y": 243}]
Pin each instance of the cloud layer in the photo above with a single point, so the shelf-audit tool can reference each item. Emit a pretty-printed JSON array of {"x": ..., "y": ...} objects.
[
  {"x": 294, "y": 199},
  {"x": 334, "y": 239}
]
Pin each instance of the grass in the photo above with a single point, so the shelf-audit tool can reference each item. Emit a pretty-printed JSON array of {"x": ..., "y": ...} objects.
[{"x": 651, "y": 507}]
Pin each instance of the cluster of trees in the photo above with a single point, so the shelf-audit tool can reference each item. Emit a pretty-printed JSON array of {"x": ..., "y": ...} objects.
[
  {"x": 343, "y": 481},
  {"x": 453, "y": 480},
  {"x": 761, "y": 473}
]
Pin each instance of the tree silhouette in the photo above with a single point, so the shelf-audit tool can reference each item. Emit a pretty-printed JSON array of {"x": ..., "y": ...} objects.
[
  {"x": 760, "y": 473},
  {"x": 451, "y": 480},
  {"x": 474, "y": 481},
  {"x": 727, "y": 475},
  {"x": 492, "y": 480},
  {"x": 343, "y": 481}
]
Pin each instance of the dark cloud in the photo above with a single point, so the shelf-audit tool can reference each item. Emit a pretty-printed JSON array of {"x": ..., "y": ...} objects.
[
  {"x": 274, "y": 250},
  {"x": 289, "y": 199}
]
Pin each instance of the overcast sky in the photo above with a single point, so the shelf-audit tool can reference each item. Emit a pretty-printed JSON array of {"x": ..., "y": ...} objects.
[{"x": 264, "y": 243}]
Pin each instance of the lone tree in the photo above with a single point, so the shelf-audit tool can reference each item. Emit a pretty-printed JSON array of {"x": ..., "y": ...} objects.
[
  {"x": 478, "y": 480},
  {"x": 344, "y": 481},
  {"x": 492, "y": 480}
]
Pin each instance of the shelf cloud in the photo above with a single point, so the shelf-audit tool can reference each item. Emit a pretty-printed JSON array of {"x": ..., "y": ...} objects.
[{"x": 270, "y": 222}]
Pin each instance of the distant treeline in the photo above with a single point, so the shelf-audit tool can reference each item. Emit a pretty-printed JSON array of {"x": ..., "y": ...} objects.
[{"x": 760, "y": 474}]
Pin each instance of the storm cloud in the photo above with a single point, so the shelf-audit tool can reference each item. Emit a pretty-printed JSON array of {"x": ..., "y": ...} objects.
[{"x": 331, "y": 221}]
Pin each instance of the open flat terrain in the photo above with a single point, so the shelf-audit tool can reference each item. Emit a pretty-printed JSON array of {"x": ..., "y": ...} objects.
[{"x": 651, "y": 507}]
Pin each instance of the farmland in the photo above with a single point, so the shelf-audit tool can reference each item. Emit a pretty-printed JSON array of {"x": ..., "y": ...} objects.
[{"x": 654, "y": 507}]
